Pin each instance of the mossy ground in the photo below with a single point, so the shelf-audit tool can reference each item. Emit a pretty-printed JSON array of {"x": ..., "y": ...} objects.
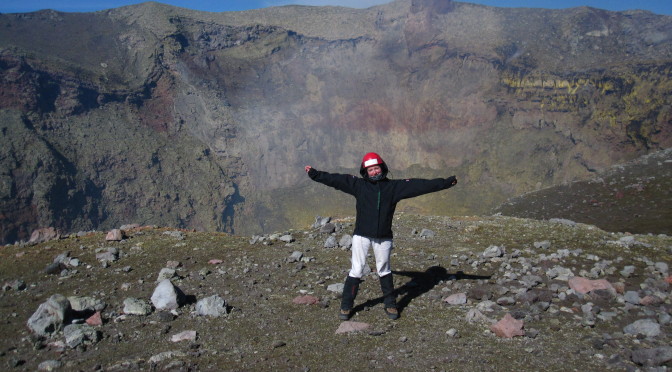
[{"x": 266, "y": 331}]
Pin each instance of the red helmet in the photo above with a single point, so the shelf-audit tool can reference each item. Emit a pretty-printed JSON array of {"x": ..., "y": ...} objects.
[{"x": 370, "y": 160}]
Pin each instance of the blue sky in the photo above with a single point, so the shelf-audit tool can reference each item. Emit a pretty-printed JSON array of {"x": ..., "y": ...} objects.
[{"x": 20, "y": 6}]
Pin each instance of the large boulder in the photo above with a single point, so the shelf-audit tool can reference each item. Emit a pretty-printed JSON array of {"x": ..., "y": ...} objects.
[
  {"x": 214, "y": 306},
  {"x": 50, "y": 316},
  {"x": 166, "y": 296},
  {"x": 77, "y": 334},
  {"x": 136, "y": 306},
  {"x": 43, "y": 235}
]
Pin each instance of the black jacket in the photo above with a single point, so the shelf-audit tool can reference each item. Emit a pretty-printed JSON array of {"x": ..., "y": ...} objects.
[{"x": 376, "y": 201}]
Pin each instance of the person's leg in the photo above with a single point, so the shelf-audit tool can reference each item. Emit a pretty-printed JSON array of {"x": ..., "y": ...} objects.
[
  {"x": 389, "y": 298},
  {"x": 350, "y": 289},
  {"x": 360, "y": 247},
  {"x": 382, "y": 250}
]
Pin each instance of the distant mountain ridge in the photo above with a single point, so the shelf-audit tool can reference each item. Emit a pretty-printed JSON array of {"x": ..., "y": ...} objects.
[{"x": 161, "y": 115}]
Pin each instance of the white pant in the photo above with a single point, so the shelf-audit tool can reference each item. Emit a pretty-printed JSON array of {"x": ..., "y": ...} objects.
[{"x": 360, "y": 248}]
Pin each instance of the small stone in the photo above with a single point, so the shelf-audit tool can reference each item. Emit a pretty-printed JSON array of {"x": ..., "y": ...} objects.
[
  {"x": 77, "y": 334},
  {"x": 345, "y": 242},
  {"x": 588, "y": 320},
  {"x": 352, "y": 326},
  {"x": 456, "y": 299},
  {"x": 531, "y": 333},
  {"x": 646, "y": 327},
  {"x": 306, "y": 300},
  {"x": 652, "y": 357},
  {"x": 559, "y": 273},
  {"x": 562, "y": 221},
  {"x": 165, "y": 316},
  {"x": 542, "y": 245},
  {"x": 165, "y": 273},
  {"x": 179, "y": 235},
  {"x": 83, "y": 303},
  {"x": 328, "y": 228},
  {"x": 107, "y": 255},
  {"x": 426, "y": 234},
  {"x": 632, "y": 297},
  {"x": 651, "y": 300},
  {"x": 321, "y": 221},
  {"x": 506, "y": 301},
  {"x": 134, "y": 306},
  {"x": 627, "y": 271},
  {"x": 336, "y": 287},
  {"x": 95, "y": 319},
  {"x": 583, "y": 285},
  {"x": 295, "y": 257},
  {"x": 49, "y": 365},
  {"x": 184, "y": 336},
  {"x": 54, "y": 268},
  {"x": 661, "y": 267},
  {"x": 286, "y": 238},
  {"x": 493, "y": 251},
  {"x": 331, "y": 242},
  {"x": 160, "y": 357},
  {"x": 475, "y": 315},
  {"x": 16, "y": 285},
  {"x": 214, "y": 306}
]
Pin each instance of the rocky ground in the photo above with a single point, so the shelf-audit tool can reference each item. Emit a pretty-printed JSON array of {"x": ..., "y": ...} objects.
[
  {"x": 475, "y": 294},
  {"x": 635, "y": 197}
]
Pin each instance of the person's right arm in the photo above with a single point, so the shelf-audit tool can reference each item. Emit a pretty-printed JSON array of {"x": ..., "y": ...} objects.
[{"x": 342, "y": 182}]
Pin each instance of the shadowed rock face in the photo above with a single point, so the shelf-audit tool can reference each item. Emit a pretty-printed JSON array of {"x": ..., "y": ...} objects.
[{"x": 161, "y": 115}]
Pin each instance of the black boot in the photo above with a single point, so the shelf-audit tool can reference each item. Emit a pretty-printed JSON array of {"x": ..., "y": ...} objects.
[
  {"x": 389, "y": 298},
  {"x": 350, "y": 290}
]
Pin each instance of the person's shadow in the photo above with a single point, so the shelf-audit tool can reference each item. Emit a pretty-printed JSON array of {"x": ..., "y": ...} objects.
[{"x": 419, "y": 283}]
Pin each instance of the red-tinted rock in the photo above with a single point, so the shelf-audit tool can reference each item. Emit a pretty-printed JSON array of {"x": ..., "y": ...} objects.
[
  {"x": 306, "y": 300},
  {"x": 350, "y": 326},
  {"x": 95, "y": 319},
  {"x": 583, "y": 285},
  {"x": 651, "y": 300},
  {"x": 508, "y": 327},
  {"x": 115, "y": 235},
  {"x": 43, "y": 235}
]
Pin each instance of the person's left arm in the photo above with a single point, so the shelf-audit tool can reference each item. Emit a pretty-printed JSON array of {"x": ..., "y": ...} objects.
[{"x": 413, "y": 187}]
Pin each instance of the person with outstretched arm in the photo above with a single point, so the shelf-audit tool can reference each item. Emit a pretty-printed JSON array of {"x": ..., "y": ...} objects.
[{"x": 376, "y": 199}]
